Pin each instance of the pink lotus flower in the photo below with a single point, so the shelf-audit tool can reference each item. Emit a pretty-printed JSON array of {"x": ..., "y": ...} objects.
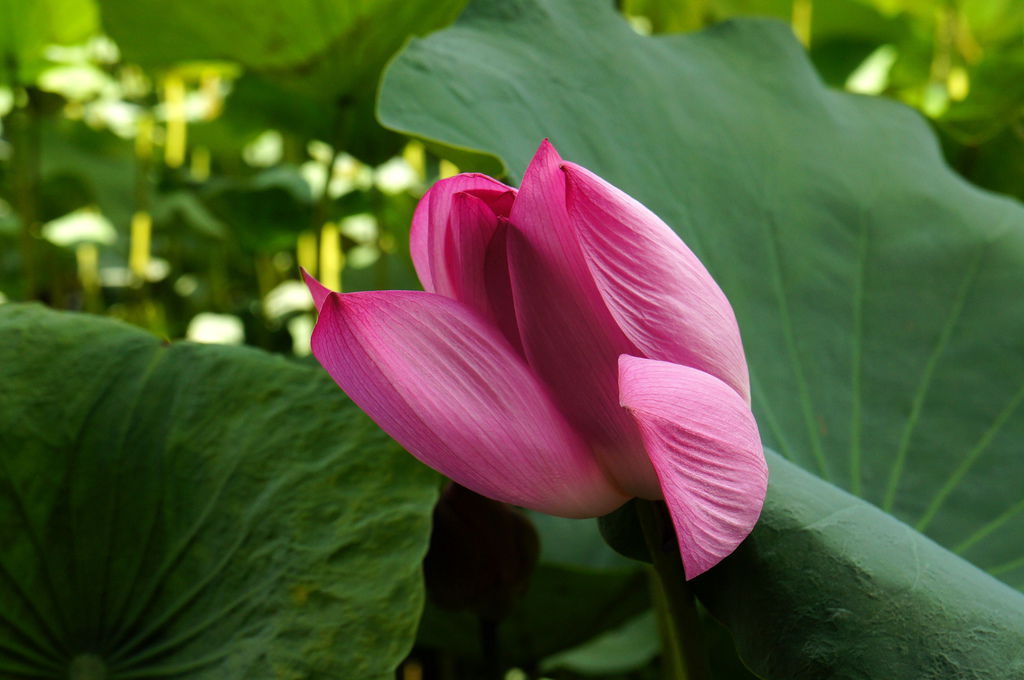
[{"x": 570, "y": 353}]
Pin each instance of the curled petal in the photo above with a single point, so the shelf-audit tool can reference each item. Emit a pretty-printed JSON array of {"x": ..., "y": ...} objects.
[
  {"x": 430, "y": 222},
  {"x": 448, "y": 387},
  {"x": 704, "y": 444},
  {"x": 660, "y": 294}
]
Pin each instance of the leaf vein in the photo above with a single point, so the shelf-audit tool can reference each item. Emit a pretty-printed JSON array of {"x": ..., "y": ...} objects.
[
  {"x": 924, "y": 384},
  {"x": 969, "y": 460},
  {"x": 794, "y": 354}
]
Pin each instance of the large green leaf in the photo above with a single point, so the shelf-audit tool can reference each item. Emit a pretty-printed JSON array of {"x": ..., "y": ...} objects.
[
  {"x": 874, "y": 287},
  {"x": 858, "y": 594},
  {"x": 195, "y": 511}
]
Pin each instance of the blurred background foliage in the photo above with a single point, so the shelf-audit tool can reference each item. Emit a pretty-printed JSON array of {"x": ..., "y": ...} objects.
[
  {"x": 174, "y": 164},
  {"x": 958, "y": 62},
  {"x": 161, "y": 168}
]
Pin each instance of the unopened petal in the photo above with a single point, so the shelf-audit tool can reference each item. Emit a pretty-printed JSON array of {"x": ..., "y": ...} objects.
[
  {"x": 569, "y": 337},
  {"x": 660, "y": 294},
  {"x": 474, "y": 269},
  {"x": 430, "y": 222},
  {"x": 460, "y": 273},
  {"x": 448, "y": 387},
  {"x": 704, "y": 444},
  {"x": 498, "y": 282}
]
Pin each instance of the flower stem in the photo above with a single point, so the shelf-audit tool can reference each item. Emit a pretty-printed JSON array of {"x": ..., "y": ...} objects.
[
  {"x": 490, "y": 645},
  {"x": 683, "y": 646}
]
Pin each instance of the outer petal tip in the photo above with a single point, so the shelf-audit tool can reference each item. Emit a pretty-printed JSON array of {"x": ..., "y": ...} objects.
[
  {"x": 319, "y": 291},
  {"x": 546, "y": 152},
  {"x": 569, "y": 168}
]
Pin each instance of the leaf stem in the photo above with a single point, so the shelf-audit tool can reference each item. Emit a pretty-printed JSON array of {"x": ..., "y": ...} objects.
[{"x": 683, "y": 645}]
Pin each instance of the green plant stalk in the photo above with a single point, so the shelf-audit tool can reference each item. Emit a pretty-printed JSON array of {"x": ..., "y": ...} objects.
[
  {"x": 683, "y": 649},
  {"x": 25, "y": 168},
  {"x": 673, "y": 662},
  {"x": 143, "y": 205},
  {"x": 491, "y": 648}
]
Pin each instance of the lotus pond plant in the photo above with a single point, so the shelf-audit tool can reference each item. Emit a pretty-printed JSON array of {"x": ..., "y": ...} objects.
[{"x": 569, "y": 353}]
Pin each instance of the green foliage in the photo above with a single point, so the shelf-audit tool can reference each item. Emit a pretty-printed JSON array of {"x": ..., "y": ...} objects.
[
  {"x": 626, "y": 648},
  {"x": 960, "y": 63},
  {"x": 565, "y": 606},
  {"x": 871, "y": 284},
  {"x": 27, "y": 27},
  {"x": 579, "y": 591},
  {"x": 352, "y": 39},
  {"x": 188, "y": 511},
  {"x": 155, "y": 136},
  {"x": 328, "y": 53},
  {"x": 874, "y": 290},
  {"x": 99, "y": 165},
  {"x": 266, "y": 211},
  {"x": 830, "y": 586}
]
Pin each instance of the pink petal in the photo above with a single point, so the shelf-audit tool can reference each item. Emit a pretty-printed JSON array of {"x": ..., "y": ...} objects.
[
  {"x": 704, "y": 444},
  {"x": 449, "y": 388},
  {"x": 474, "y": 268},
  {"x": 430, "y": 222},
  {"x": 459, "y": 272},
  {"x": 569, "y": 337},
  {"x": 316, "y": 289},
  {"x": 499, "y": 286},
  {"x": 660, "y": 294}
]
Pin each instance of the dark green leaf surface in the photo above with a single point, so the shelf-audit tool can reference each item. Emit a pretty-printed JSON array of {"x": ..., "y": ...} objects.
[
  {"x": 874, "y": 288},
  {"x": 195, "y": 511},
  {"x": 859, "y": 594}
]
